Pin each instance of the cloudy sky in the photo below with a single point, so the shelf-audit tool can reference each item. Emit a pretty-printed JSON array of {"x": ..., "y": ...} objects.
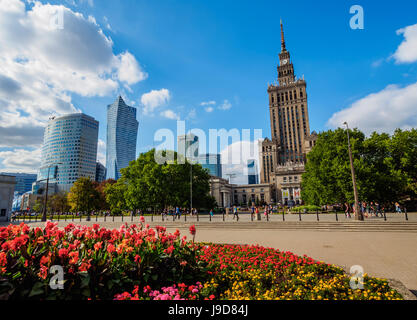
[{"x": 205, "y": 62}]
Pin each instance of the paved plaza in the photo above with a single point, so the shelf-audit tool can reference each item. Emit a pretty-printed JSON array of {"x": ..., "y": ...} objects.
[{"x": 383, "y": 249}]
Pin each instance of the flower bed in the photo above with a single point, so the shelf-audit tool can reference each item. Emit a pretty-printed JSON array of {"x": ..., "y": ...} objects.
[{"x": 139, "y": 263}]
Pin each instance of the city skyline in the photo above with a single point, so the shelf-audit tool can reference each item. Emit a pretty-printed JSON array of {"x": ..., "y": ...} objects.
[{"x": 162, "y": 85}]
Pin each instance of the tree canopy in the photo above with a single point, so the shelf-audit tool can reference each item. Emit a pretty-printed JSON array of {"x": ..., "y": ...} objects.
[
  {"x": 386, "y": 167},
  {"x": 148, "y": 184}
]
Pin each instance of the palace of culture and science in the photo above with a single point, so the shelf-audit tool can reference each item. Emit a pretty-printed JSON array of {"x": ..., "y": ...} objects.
[{"x": 282, "y": 158}]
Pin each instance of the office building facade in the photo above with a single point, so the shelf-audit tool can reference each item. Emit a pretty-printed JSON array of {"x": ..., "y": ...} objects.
[
  {"x": 122, "y": 133},
  {"x": 101, "y": 172},
  {"x": 24, "y": 181},
  {"x": 211, "y": 162},
  {"x": 69, "y": 151}
]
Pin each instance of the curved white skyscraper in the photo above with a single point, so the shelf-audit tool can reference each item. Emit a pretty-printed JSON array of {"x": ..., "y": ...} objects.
[
  {"x": 69, "y": 150},
  {"x": 122, "y": 133}
]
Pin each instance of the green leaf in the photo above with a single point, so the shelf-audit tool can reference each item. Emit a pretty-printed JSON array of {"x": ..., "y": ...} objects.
[{"x": 37, "y": 289}]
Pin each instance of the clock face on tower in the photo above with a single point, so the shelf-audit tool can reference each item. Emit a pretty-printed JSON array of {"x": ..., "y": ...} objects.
[{"x": 284, "y": 62}]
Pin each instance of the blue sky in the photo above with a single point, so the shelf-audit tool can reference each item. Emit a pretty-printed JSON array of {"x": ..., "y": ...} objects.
[{"x": 227, "y": 52}]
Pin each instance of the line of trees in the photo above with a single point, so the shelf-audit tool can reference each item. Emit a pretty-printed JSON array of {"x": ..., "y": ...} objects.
[
  {"x": 144, "y": 185},
  {"x": 386, "y": 168}
]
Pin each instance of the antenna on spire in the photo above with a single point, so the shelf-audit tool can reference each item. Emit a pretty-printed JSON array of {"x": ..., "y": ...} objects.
[{"x": 283, "y": 49}]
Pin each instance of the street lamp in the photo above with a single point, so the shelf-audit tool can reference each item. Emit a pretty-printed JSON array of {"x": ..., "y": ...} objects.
[
  {"x": 47, "y": 189},
  {"x": 358, "y": 215}
]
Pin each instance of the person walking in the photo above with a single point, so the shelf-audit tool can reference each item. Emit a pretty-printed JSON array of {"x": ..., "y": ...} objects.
[
  {"x": 177, "y": 213},
  {"x": 211, "y": 213},
  {"x": 398, "y": 208},
  {"x": 347, "y": 210},
  {"x": 235, "y": 213}
]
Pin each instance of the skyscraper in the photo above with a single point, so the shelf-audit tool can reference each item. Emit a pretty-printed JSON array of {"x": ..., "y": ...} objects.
[
  {"x": 122, "y": 133},
  {"x": 252, "y": 172},
  {"x": 188, "y": 146},
  {"x": 282, "y": 158},
  {"x": 69, "y": 150},
  {"x": 100, "y": 172},
  {"x": 211, "y": 162},
  {"x": 23, "y": 181}
]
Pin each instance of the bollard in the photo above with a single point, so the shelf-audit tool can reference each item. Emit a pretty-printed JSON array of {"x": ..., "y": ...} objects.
[
  {"x": 385, "y": 216},
  {"x": 113, "y": 217},
  {"x": 267, "y": 216},
  {"x": 251, "y": 216},
  {"x": 173, "y": 217},
  {"x": 81, "y": 217},
  {"x": 73, "y": 217},
  {"x": 198, "y": 217},
  {"x": 299, "y": 214},
  {"x": 223, "y": 217},
  {"x": 406, "y": 214},
  {"x": 185, "y": 217},
  {"x": 152, "y": 217},
  {"x": 337, "y": 217},
  {"x": 318, "y": 217},
  {"x": 283, "y": 216}
]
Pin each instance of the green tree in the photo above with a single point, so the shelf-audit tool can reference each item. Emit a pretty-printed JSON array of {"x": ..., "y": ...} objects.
[
  {"x": 403, "y": 148},
  {"x": 59, "y": 202},
  {"x": 84, "y": 196},
  {"x": 116, "y": 196},
  {"x": 328, "y": 177},
  {"x": 154, "y": 185}
]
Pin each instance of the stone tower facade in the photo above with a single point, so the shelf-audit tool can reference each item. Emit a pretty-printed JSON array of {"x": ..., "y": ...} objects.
[{"x": 290, "y": 129}]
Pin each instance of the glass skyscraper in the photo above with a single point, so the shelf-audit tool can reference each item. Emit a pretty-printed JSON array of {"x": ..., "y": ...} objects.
[
  {"x": 211, "y": 162},
  {"x": 122, "y": 133},
  {"x": 69, "y": 150},
  {"x": 23, "y": 181}
]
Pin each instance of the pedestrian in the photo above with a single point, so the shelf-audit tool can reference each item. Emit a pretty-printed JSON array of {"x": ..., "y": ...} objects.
[
  {"x": 178, "y": 213},
  {"x": 347, "y": 210},
  {"x": 398, "y": 208},
  {"x": 235, "y": 213},
  {"x": 211, "y": 213}
]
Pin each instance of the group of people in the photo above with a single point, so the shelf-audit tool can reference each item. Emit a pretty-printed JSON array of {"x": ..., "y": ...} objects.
[{"x": 369, "y": 209}]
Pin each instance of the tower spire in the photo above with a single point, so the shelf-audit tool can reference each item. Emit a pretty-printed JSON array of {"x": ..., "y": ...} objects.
[{"x": 283, "y": 49}]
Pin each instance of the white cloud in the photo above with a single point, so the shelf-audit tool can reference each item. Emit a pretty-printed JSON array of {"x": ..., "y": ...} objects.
[
  {"x": 130, "y": 70},
  {"x": 169, "y": 114},
  {"x": 242, "y": 151},
  {"x": 407, "y": 51},
  {"x": 41, "y": 66},
  {"x": 384, "y": 111},
  {"x": 208, "y": 103},
  {"x": 155, "y": 99},
  {"x": 20, "y": 160},
  {"x": 225, "y": 106},
  {"x": 101, "y": 152},
  {"x": 209, "y": 109}
]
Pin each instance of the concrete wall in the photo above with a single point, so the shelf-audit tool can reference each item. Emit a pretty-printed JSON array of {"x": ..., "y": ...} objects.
[{"x": 7, "y": 185}]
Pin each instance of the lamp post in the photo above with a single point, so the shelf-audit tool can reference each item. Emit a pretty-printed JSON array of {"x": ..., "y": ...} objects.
[
  {"x": 358, "y": 215},
  {"x": 46, "y": 193}
]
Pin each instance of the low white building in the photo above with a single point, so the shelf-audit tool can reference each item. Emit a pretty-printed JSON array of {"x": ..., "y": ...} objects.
[{"x": 7, "y": 186}]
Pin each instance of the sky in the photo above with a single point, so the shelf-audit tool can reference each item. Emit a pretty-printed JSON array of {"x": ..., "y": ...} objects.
[{"x": 205, "y": 62}]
